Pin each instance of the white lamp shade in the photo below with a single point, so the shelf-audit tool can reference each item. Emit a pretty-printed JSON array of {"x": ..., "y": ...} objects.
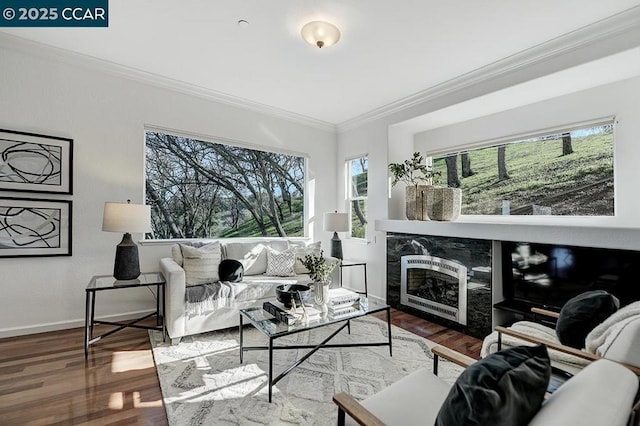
[
  {"x": 336, "y": 222},
  {"x": 124, "y": 217},
  {"x": 320, "y": 33}
]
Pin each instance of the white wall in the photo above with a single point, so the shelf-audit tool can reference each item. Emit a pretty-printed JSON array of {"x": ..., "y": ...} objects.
[
  {"x": 391, "y": 138},
  {"x": 105, "y": 115}
]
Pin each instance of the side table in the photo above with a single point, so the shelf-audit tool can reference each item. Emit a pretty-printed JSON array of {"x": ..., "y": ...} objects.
[
  {"x": 105, "y": 283},
  {"x": 350, "y": 263}
]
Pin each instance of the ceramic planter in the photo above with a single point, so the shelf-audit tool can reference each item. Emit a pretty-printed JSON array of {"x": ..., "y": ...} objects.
[
  {"x": 416, "y": 202},
  {"x": 444, "y": 203}
]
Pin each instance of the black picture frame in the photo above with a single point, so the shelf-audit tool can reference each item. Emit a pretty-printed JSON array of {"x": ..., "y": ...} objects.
[
  {"x": 31, "y": 162},
  {"x": 32, "y": 227}
]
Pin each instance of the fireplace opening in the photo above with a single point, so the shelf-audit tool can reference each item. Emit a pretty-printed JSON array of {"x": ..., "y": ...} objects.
[{"x": 434, "y": 285}]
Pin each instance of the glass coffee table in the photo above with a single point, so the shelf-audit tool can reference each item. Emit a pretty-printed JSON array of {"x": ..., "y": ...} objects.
[{"x": 274, "y": 329}]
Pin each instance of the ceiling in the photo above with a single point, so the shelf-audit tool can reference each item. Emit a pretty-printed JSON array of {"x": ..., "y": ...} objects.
[{"x": 389, "y": 49}]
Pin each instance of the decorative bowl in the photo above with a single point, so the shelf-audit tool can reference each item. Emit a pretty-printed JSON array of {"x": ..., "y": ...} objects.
[{"x": 285, "y": 293}]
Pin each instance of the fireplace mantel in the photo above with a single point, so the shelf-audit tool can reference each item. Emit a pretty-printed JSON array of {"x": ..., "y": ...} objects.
[{"x": 583, "y": 231}]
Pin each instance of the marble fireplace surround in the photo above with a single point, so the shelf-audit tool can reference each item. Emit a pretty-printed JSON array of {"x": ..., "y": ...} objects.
[{"x": 545, "y": 230}]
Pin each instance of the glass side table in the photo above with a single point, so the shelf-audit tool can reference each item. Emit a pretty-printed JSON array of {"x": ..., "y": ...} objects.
[
  {"x": 350, "y": 263},
  {"x": 107, "y": 283}
]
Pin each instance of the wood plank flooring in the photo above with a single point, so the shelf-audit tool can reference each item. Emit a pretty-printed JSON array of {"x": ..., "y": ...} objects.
[{"x": 45, "y": 380}]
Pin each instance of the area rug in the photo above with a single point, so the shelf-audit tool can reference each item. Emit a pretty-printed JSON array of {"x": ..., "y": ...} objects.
[{"x": 203, "y": 381}]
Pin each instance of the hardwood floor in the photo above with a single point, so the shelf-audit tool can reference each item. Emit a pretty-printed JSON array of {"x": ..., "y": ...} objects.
[{"x": 45, "y": 380}]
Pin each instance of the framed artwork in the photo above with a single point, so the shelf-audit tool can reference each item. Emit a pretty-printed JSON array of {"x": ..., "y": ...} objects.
[
  {"x": 35, "y": 163},
  {"x": 32, "y": 227}
]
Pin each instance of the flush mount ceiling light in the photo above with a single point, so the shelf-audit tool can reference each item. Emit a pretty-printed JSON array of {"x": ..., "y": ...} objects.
[{"x": 320, "y": 33}]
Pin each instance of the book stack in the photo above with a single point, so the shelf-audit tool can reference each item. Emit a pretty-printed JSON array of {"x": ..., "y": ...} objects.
[
  {"x": 342, "y": 302},
  {"x": 287, "y": 316}
]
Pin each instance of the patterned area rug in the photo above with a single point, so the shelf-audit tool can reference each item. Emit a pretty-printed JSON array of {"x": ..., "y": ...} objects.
[{"x": 203, "y": 381}]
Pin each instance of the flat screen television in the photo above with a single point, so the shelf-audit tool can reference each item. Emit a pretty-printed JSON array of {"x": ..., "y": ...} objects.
[{"x": 547, "y": 275}]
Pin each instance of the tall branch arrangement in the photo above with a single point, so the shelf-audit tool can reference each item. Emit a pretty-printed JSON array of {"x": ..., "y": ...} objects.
[{"x": 413, "y": 172}]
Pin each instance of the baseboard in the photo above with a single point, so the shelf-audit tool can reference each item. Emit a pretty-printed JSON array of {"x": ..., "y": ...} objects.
[
  {"x": 65, "y": 325},
  {"x": 377, "y": 299}
]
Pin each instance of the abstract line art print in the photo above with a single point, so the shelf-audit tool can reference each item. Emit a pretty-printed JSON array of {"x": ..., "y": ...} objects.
[
  {"x": 35, "y": 163},
  {"x": 30, "y": 227}
]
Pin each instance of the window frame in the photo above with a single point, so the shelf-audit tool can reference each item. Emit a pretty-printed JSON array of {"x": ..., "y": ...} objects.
[
  {"x": 349, "y": 198},
  {"x": 237, "y": 144},
  {"x": 495, "y": 142}
]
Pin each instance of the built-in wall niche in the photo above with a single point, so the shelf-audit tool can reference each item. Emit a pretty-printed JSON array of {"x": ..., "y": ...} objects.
[
  {"x": 548, "y": 275},
  {"x": 442, "y": 279}
]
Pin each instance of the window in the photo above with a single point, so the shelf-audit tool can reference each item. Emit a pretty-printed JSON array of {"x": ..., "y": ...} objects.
[
  {"x": 203, "y": 189},
  {"x": 357, "y": 182},
  {"x": 567, "y": 173}
]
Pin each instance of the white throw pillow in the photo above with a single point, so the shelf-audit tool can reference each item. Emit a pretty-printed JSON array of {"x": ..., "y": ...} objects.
[
  {"x": 201, "y": 264},
  {"x": 301, "y": 252},
  {"x": 280, "y": 264},
  {"x": 253, "y": 256}
]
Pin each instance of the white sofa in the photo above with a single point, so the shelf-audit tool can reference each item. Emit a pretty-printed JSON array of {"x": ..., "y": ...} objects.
[{"x": 253, "y": 290}]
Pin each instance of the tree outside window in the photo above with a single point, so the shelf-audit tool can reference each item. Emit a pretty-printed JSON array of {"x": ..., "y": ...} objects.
[
  {"x": 202, "y": 189},
  {"x": 568, "y": 172},
  {"x": 357, "y": 176}
]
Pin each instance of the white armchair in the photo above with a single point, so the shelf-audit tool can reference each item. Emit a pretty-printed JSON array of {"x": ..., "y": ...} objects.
[{"x": 603, "y": 393}]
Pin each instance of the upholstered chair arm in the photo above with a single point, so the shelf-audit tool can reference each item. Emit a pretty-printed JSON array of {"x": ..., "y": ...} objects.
[
  {"x": 556, "y": 346},
  {"x": 450, "y": 355},
  {"x": 348, "y": 405}
]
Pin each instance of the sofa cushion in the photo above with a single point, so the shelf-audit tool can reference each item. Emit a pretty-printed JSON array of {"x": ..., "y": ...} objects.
[
  {"x": 412, "y": 400},
  {"x": 582, "y": 314},
  {"x": 301, "y": 251},
  {"x": 231, "y": 270},
  {"x": 278, "y": 245},
  {"x": 280, "y": 263},
  {"x": 505, "y": 388},
  {"x": 200, "y": 264},
  {"x": 253, "y": 256}
]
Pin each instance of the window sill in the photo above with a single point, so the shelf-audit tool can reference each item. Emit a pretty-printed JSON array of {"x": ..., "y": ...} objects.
[{"x": 579, "y": 231}]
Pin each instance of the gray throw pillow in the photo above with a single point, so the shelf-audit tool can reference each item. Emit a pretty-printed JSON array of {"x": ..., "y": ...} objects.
[
  {"x": 504, "y": 389},
  {"x": 280, "y": 264}
]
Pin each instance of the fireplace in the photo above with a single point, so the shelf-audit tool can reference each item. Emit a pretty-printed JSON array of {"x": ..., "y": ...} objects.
[{"x": 434, "y": 285}]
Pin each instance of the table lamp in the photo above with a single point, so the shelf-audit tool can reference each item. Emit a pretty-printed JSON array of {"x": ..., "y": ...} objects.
[
  {"x": 336, "y": 222},
  {"x": 126, "y": 218}
]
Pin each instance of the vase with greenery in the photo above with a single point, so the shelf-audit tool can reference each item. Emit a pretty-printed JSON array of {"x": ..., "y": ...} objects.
[
  {"x": 418, "y": 177},
  {"x": 319, "y": 271}
]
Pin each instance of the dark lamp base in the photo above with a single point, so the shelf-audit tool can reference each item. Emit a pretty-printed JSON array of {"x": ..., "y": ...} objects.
[
  {"x": 336, "y": 246},
  {"x": 127, "y": 265}
]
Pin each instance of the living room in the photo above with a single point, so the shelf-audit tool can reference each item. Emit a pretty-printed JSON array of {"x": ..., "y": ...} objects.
[{"x": 586, "y": 70}]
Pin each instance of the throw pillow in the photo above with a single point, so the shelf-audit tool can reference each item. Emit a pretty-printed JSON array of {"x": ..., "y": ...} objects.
[
  {"x": 301, "y": 252},
  {"x": 176, "y": 251},
  {"x": 253, "y": 256},
  {"x": 280, "y": 264},
  {"x": 582, "y": 314},
  {"x": 506, "y": 388},
  {"x": 231, "y": 270},
  {"x": 200, "y": 264}
]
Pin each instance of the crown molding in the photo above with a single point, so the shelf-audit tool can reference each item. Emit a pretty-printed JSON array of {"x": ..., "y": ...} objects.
[
  {"x": 65, "y": 56},
  {"x": 625, "y": 25}
]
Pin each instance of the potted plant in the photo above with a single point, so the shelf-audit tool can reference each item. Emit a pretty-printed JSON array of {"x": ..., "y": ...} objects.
[
  {"x": 320, "y": 271},
  {"x": 418, "y": 177}
]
